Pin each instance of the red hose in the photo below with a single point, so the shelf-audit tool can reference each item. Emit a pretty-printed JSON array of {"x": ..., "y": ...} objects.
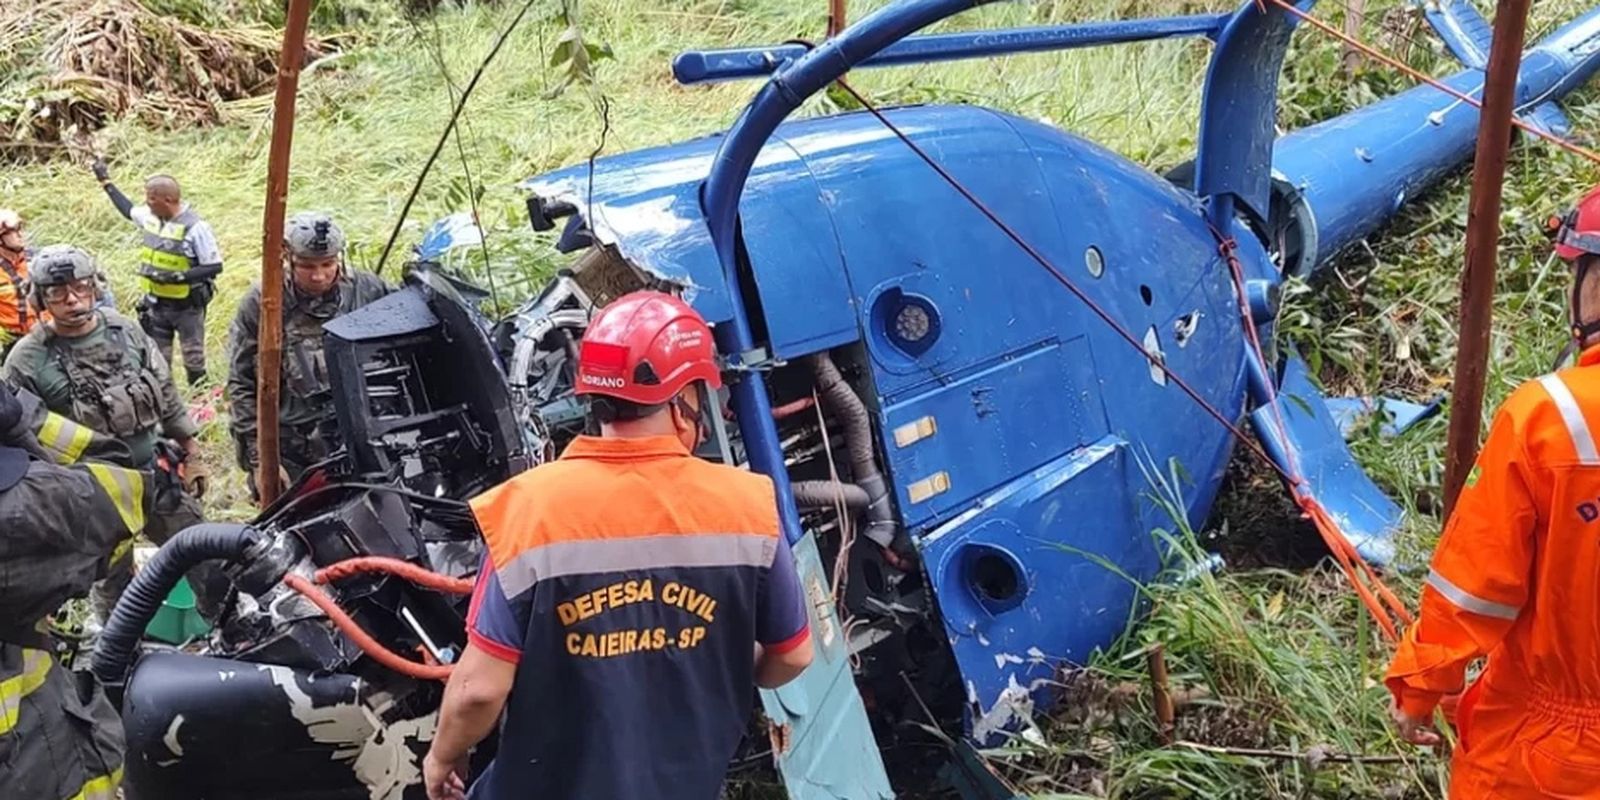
[
  {"x": 393, "y": 566},
  {"x": 364, "y": 640},
  {"x": 790, "y": 409}
]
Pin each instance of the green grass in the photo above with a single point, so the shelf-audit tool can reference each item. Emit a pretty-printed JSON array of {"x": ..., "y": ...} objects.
[{"x": 1285, "y": 660}]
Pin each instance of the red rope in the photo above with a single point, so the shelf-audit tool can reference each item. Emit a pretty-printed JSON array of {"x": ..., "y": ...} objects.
[
  {"x": 1343, "y": 551},
  {"x": 393, "y": 566},
  {"x": 364, "y": 640},
  {"x": 1418, "y": 75}
]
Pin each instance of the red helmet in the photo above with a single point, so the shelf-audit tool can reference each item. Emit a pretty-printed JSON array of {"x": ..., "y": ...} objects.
[
  {"x": 1578, "y": 230},
  {"x": 644, "y": 348}
]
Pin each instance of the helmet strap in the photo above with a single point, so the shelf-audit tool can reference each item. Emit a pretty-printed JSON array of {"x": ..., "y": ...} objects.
[{"x": 1583, "y": 327}]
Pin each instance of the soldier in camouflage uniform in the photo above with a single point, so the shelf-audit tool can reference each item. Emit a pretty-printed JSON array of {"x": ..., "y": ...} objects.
[
  {"x": 318, "y": 288},
  {"x": 98, "y": 369},
  {"x": 60, "y": 527}
]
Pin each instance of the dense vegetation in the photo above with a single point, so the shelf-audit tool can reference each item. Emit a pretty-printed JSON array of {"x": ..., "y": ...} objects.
[{"x": 1274, "y": 654}]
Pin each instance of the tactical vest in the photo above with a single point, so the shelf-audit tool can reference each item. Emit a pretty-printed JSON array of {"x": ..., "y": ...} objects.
[
  {"x": 163, "y": 252},
  {"x": 113, "y": 389}
]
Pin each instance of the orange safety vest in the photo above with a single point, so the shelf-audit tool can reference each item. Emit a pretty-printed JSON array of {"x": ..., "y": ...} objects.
[
  {"x": 1516, "y": 577},
  {"x": 15, "y": 316}
]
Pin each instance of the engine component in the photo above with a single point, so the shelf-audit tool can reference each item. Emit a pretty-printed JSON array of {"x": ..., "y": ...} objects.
[
  {"x": 139, "y": 603},
  {"x": 843, "y": 401},
  {"x": 219, "y": 729}
]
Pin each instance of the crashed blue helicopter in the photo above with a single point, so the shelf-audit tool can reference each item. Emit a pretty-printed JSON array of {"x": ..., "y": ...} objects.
[
  {"x": 957, "y": 339},
  {"x": 990, "y": 424}
]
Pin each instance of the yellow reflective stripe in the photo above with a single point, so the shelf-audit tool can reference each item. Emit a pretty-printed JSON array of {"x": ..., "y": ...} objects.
[
  {"x": 174, "y": 262},
  {"x": 173, "y": 291},
  {"x": 122, "y": 550},
  {"x": 125, "y": 487},
  {"x": 35, "y": 668},
  {"x": 65, "y": 438},
  {"x": 101, "y": 788}
]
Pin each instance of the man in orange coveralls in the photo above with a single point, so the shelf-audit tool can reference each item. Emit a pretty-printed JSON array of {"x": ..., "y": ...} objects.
[{"x": 1516, "y": 577}]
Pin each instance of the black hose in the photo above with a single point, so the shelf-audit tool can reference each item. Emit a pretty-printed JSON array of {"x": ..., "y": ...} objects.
[
  {"x": 113, "y": 654},
  {"x": 825, "y": 494},
  {"x": 843, "y": 401}
]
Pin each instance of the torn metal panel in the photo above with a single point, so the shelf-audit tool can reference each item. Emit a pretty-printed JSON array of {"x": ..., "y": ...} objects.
[{"x": 1311, "y": 442}]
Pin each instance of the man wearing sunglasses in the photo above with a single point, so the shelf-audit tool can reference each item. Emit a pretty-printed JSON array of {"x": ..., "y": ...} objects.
[{"x": 99, "y": 369}]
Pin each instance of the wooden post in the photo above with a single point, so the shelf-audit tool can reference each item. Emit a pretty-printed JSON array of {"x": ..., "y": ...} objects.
[
  {"x": 836, "y": 21},
  {"x": 1161, "y": 694},
  {"x": 1355, "y": 12},
  {"x": 1483, "y": 236},
  {"x": 269, "y": 354}
]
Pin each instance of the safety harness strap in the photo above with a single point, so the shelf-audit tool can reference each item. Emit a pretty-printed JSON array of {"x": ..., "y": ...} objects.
[
  {"x": 1468, "y": 601},
  {"x": 1572, "y": 415}
]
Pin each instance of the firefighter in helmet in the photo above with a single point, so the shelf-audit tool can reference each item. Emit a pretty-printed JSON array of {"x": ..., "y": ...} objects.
[
  {"x": 317, "y": 287},
  {"x": 1516, "y": 578},
  {"x": 64, "y": 525}
]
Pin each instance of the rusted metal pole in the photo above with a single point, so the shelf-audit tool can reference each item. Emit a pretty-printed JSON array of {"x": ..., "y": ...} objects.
[
  {"x": 1483, "y": 236},
  {"x": 836, "y": 21},
  {"x": 269, "y": 354}
]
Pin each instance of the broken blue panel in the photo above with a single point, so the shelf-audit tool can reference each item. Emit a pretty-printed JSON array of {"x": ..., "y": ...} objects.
[
  {"x": 1398, "y": 416},
  {"x": 1365, "y": 515},
  {"x": 822, "y": 741},
  {"x": 1549, "y": 118},
  {"x": 1464, "y": 30},
  {"x": 972, "y": 779}
]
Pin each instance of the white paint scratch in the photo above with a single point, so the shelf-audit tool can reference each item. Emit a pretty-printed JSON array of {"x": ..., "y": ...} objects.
[{"x": 171, "y": 739}]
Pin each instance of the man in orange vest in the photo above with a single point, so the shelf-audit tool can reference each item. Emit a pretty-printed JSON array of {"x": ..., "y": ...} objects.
[
  {"x": 16, "y": 319},
  {"x": 632, "y": 595},
  {"x": 1516, "y": 577}
]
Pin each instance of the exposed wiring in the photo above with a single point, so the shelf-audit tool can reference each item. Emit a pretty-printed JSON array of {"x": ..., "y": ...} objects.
[
  {"x": 362, "y": 565},
  {"x": 364, "y": 640}
]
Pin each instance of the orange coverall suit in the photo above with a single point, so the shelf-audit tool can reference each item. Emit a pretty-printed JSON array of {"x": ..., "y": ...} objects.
[{"x": 1516, "y": 577}]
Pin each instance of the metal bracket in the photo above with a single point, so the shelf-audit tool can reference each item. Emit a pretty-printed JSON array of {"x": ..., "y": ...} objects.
[{"x": 756, "y": 359}]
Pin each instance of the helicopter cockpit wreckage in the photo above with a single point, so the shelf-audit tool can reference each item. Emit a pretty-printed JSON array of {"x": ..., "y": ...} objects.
[{"x": 956, "y": 338}]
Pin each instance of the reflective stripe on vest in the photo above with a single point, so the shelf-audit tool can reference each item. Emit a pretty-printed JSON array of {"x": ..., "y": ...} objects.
[
  {"x": 101, "y": 788},
  {"x": 65, "y": 439},
  {"x": 125, "y": 487},
  {"x": 635, "y": 554},
  {"x": 35, "y": 668},
  {"x": 163, "y": 252},
  {"x": 1468, "y": 601},
  {"x": 1572, "y": 415}
]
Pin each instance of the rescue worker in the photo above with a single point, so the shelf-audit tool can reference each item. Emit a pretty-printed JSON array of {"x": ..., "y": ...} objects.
[
  {"x": 59, "y": 736},
  {"x": 96, "y": 368},
  {"x": 1516, "y": 577},
  {"x": 318, "y": 287},
  {"x": 632, "y": 596},
  {"x": 178, "y": 266},
  {"x": 15, "y": 319}
]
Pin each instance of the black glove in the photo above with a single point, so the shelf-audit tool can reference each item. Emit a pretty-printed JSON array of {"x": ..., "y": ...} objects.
[{"x": 100, "y": 171}]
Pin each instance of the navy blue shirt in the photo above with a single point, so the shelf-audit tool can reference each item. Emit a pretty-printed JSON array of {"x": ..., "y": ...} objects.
[{"x": 629, "y": 582}]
